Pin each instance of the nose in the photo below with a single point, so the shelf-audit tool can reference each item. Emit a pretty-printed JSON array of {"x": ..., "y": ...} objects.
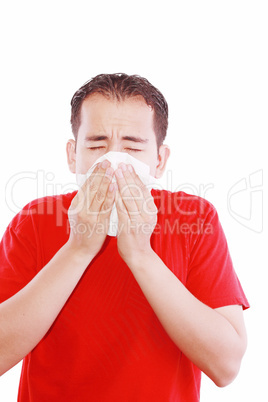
[{"x": 114, "y": 146}]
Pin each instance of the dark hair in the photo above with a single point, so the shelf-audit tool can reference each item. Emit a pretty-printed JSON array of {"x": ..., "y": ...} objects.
[{"x": 120, "y": 87}]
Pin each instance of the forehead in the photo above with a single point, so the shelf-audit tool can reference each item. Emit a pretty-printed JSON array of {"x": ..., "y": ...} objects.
[{"x": 97, "y": 109}]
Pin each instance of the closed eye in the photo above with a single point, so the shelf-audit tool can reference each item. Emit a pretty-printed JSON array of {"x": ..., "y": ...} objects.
[
  {"x": 133, "y": 149},
  {"x": 125, "y": 149},
  {"x": 95, "y": 148}
]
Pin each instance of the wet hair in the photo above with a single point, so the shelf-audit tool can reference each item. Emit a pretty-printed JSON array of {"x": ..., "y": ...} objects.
[{"x": 120, "y": 87}]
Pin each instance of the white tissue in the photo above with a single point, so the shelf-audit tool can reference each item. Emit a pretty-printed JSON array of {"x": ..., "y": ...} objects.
[{"x": 142, "y": 170}]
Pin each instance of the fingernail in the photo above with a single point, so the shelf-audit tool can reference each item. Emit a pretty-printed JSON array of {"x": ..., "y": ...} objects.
[
  {"x": 130, "y": 168},
  {"x": 109, "y": 172},
  {"x": 119, "y": 173},
  {"x": 104, "y": 164},
  {"x": 123, "y": 167}
]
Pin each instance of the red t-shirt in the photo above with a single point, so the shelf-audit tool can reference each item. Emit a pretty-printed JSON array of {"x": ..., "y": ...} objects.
[{"x": 106, "y": 344}]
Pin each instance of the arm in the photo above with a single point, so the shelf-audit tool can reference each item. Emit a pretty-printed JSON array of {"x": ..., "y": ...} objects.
[
  {"x": 215, "y": 340},
  {"x": 27, "y": 316}
]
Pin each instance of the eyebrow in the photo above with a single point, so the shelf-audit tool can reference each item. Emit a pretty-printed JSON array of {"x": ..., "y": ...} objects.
[
  {"x": 96, "y": 138},
  {"x": 125, "y": 138},
  {"x": 135, "y": 139}
]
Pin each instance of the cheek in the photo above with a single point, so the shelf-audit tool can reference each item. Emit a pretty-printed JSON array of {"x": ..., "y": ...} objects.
[
  {"x": 152, "y": 170},
  {"x": 83, "y": 162},
  {"x": 85, "y": 159},
  {"x": 150, "y": 159}
]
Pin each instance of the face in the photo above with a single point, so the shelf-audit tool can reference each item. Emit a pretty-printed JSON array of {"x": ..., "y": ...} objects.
[{"x": 125, "y": 126}]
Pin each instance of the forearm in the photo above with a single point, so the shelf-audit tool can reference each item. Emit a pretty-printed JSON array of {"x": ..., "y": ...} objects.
[
  {"x": 27, "y": 316},
  {"x": 206, "y": 337}
]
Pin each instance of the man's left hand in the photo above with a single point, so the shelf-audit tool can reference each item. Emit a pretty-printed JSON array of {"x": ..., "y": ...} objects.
[{"x": 137, "y": 214}]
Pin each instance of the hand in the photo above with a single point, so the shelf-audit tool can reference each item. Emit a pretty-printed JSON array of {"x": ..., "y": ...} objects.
[
  {"x": 137, "y": 214},
  {"x": 90, "y": 211}
]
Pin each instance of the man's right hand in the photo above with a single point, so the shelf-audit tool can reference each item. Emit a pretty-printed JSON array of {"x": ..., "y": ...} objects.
[{"x": 90, "y": 211}]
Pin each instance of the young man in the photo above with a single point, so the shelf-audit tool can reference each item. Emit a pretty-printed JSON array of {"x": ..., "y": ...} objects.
[{"x": 131, "y": 318}]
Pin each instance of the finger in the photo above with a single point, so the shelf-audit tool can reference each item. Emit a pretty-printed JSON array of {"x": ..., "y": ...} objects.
[
  {"x": 91, "y": 185},
  {"x": 100, "y": 194},
  {"x": 107, "y": 205},
  {"x": 82, "y": 197},
  {"x": 141, "y": 194},
  {"x": 90, "y": 179},
  {"x": 125, "y": 183},
  {"x": 90, "y": 198},
  {"x": 138, "y": 189},
  {"x": 149, "y": 205},
  {"x": 122, "y": 212}
]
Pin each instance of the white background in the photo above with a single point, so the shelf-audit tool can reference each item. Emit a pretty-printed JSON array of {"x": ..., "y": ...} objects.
[{"x": 209, "y": 58}]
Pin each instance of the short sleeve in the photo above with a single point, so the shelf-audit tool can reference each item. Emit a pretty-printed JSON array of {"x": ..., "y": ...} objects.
[
  {"x": 211, "y": 277},
  {"x": 18, "y": 256}
]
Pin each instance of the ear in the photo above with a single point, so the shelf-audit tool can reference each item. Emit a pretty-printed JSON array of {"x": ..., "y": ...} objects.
[
  {"x": 163, "y": 156},
  {"x": 71, "y": 155}
]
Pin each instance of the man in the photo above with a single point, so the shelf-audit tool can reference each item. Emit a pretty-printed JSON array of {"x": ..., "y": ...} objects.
[{"x": 131, "y": 318}]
